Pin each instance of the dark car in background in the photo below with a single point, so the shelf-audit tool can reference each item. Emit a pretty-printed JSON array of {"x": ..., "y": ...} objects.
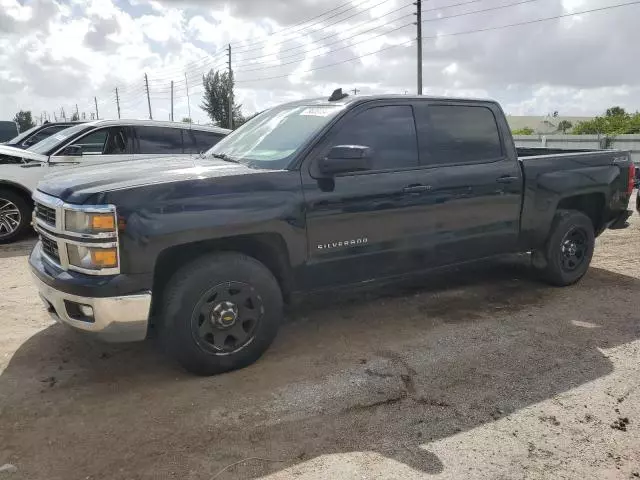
[
  {"x": 38, "y": 133},
  {"x": 8, "y": 130}
]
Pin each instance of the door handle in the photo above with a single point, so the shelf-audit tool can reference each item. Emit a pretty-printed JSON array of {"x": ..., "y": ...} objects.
[
  {"x": 416, "y": 188},
  {"x": 506, "y": 179}
]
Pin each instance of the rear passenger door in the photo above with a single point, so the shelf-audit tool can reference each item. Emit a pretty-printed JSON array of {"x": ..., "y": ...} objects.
[
  {"x": 477, "y": 183},
  {"x": 157, "y": 141}
]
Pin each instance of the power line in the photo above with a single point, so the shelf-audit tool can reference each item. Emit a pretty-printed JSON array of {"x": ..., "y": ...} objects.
[
  {"x": 468, "y": 2},
  {"x": 331, "y": 64},
  {"x": 467, "y": 32},
  {"x": 341, "y": 21},
  {"x": 306, "y": 24},
  {"x": 382, "y": 34},
  {"x": 538, "y": 20},
  {"x": 387, "y": 32},
  {"x": 248, "y": 60}
]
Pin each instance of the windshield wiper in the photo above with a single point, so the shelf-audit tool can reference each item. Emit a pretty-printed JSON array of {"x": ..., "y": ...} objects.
[{"x": 225, "y": 157}]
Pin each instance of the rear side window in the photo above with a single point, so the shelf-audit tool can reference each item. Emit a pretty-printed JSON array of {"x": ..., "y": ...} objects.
[
  {"x": 388, "y": 130},
  {"x": 198, "y": 141},
  {"x": 44, "y": 133},
  {"x": 206, "y": 140},
  {"x": 152, "y": 140},
  {"x": 461, "y": 134}
]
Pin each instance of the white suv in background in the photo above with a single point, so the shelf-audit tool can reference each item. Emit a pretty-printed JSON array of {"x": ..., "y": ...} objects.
[{"x": 101, "y": 141}]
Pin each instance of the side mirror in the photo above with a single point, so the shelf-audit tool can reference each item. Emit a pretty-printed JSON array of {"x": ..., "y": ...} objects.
[
  {"x": 73, "y": 151},
  {"x": 345, "y": 159}
]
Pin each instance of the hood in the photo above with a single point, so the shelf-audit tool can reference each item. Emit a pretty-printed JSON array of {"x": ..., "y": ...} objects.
[
  {"x": 19, "y": 153},
  {"x": 76, "y": 185}
]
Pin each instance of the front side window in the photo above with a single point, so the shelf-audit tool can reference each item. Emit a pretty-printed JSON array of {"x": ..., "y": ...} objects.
[
  {"x": 462, "y": 134},
  {"x": 159, "y": 140},
  {"x": 93, "y": 143},
  {"x": 104, "y": 141},
  {"x": 272, "y": 138},
  {"x": 389, "y": 131}
]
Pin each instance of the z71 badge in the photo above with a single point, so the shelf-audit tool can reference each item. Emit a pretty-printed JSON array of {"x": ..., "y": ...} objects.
[{"x": 344, "y": 243}]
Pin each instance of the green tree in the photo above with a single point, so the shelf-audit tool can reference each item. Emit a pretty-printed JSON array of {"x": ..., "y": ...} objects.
[
  {"x": 186, "y": 120},
  {"x": 523, "y": 131},
  {"x": 24, "y": 120},
  {"x": 75, "y": 117},
  {"x": 217, "y": 88},
  {"x": 615, "y": 121},
  {"x": 564, "y": 125}
]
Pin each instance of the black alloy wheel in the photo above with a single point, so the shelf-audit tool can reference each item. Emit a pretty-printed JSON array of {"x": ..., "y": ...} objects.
[
  {"x": 225, "y": 319},
  {"x": 573, "y": 249}
]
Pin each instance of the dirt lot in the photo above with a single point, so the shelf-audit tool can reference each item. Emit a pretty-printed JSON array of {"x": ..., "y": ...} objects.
[{"x": 483, "y": 373}]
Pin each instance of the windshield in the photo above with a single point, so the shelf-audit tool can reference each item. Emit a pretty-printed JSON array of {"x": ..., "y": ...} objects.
[
  {"x": 19, "y": 138},
  {"x": 271, "y": 139},
  {"x": 57, "y": 140}
]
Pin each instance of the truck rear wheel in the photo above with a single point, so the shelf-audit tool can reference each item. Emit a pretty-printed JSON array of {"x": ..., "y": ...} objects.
[
  {"x": 15, "y": 216},
  {"x": 569, "y": 248},
  {"x": 220, "y": 313}
]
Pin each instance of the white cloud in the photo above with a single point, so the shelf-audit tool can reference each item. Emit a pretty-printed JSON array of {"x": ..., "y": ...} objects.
[{"x": 58, "y": 53}]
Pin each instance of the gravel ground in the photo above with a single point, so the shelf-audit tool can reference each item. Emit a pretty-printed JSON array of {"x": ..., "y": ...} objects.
[{"x": 480, "y": 373}]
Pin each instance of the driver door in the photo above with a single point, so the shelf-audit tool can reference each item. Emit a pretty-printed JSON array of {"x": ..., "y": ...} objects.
[{"x": 103, "y": 145}]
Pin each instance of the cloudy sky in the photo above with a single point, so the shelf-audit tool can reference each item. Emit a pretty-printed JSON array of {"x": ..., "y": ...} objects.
[{"x": 55, "y": 54}]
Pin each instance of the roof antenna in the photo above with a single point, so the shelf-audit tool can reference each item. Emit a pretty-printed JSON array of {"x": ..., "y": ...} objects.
[{"x": 337, "y": 95}]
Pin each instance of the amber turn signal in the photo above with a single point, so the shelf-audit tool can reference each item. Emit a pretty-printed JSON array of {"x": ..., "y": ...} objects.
[
  {"x": 104, "y": 257},
  {"x": 102, "y": 221}
]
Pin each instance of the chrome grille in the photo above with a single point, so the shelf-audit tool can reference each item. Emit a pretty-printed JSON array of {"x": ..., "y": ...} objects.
[
  {"x": 46, "y": 214},
  {"x": 50, "y": 248}
]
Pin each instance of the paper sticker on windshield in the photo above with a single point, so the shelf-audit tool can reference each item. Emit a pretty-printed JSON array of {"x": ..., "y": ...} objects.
[{"x": 318, "y": 111}]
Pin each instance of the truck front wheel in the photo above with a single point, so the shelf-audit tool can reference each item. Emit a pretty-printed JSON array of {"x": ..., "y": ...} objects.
[
  {"x": 569, "y": 248},
  {"x": 220, "y": 313}
]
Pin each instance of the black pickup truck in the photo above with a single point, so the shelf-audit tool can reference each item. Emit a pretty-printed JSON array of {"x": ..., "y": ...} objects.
[{"x": 307, "y": 196}]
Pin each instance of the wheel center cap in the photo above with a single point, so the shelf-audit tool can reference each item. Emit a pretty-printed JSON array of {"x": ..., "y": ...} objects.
[{"x": 224, "y": 314}]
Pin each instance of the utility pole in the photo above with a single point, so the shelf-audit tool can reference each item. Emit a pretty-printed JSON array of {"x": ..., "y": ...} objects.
[
  {"x": 118, "y": 102},
  {"x": 172, "y": 100},
  {"x": 95, "y": 100},
  {"x": 77, "y": 113},
  {"x": 146, "y": 84},
  {"x": 355, "y": 91},
  {"x": 186, "y": 83},
  {"x": 418, "y": 5},
  {"x": 230, "y": 90}
]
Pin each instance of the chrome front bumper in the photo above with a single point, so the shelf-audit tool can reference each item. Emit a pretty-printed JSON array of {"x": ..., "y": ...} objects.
[{"x": 115, "y": 319}]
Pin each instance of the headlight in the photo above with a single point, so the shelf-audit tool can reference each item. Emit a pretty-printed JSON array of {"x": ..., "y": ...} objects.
[
  {"x": 92, "y": 258},
  {"x": 85, "y": 222}
]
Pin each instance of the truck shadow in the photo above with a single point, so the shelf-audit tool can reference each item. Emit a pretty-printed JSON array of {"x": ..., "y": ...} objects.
[{"x": 385, "y": 371}]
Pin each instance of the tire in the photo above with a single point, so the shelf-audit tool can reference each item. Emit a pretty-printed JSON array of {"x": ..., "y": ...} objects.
[
  {"x": 13, "y": 208},
  {"x": 571, "y": 232},
  {"x": 233, "y": 296}
]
